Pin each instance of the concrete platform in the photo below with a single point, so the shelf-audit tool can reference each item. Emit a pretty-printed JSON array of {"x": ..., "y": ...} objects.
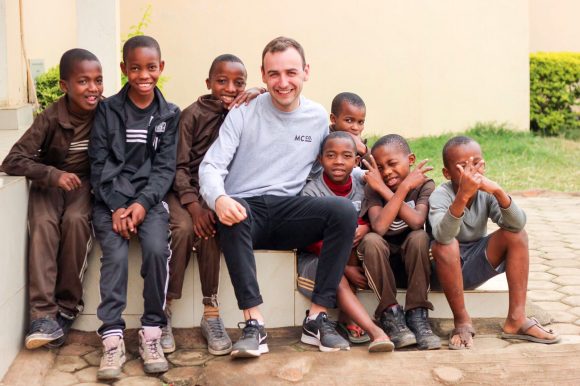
[{"x": 283, "y": 305}]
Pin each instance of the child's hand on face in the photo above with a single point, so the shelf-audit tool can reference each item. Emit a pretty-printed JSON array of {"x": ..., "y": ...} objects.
[
  {"x": 470, "y": 180},
  {"x": 417, "y": 177},
  {"x": 373, "y": 177},
  {"x": 356, "y": 276},
  {"x": 361, "y": 148},
  {"x": 246, "y": 97},
  {"x": 69, "y": 181},
  {"x": 360, "y": 232}
]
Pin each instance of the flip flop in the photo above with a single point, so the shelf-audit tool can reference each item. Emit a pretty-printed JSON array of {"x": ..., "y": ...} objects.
[
  {"x": 383, "y": 345},
  {"x": 523, "y": 335},
  {"x": 464, "y": 332},
  {"x": 355, "y": 334}
]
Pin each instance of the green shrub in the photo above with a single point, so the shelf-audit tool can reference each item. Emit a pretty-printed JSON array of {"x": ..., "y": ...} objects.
[
  {"x": 554, "y": 92},
  {"x": 47, "y": 88}
]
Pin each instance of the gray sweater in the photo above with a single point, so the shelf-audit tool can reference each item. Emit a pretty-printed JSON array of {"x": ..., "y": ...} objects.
[
  {"x": 262, "y": 150},
  {"x": 472, "y": 226}
]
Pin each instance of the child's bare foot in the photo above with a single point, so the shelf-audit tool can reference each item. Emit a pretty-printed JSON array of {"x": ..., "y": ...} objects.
[
  {"x": 461, "y": 337},
  {"x": 529, "y": 329}
]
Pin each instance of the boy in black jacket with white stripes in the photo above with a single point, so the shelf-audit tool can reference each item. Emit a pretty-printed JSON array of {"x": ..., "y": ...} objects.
[{"x": 132, "y": 152}]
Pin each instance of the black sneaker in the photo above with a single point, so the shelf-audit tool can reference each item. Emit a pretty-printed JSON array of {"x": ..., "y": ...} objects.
[
  {"x": 42, "y": 331},
  {"x": 322, "y": 332},
  {"x": 252, "y": 343},
  {"x": 417, "y": 321},
  {"x": 65, "y": 322},
  {"x": 392, "y": 321}
]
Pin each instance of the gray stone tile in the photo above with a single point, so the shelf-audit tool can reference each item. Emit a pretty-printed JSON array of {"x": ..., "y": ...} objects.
[
  {"x": 575, "y": 311},
  {"x": 563, "y": 317},
  {"x": 88, "y": 374},
  {"x": 541, "y": 285},
  {"x": 76, "y": 349},
  {"x": 565, "y": 271},
  {"x": 567, "y": 280},
  {"x": 545, "y": 276},
  {"x": 539, "y": 267},
  {"x": 182, "y": 375},
  {"x": 138, "y": 381},
  {"x": 189, "y": 357},
  {"x": 565, "y": 328},
  {"x": 59, "y": 378},
  {"x": 552, "y": 306},
  {"x": 572, "y": 263},
  {"x": 570, "y": 290},
  {"x": 573, "y": 301},
  {"x": 540, "y": 295},
  {"x": 69, "y": 364}
]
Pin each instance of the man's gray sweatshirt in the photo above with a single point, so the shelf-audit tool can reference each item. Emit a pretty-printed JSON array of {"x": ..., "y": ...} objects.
[
  {"x": 263, "y": 151},
  {"x": 472, "y": 225}
]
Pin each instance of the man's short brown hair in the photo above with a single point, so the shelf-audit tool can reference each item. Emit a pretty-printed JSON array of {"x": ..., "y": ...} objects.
[{"x": 282, "y": 43}]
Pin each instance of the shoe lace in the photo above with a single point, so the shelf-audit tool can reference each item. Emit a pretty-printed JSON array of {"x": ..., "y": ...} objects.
[
  {"x": 216, "y": 327},
  {"x": 249, "y": 331},
  {"x": 328, "y": 326},
  {"x": 110, "y": 356},
  {"x": 152, "y": 350}
]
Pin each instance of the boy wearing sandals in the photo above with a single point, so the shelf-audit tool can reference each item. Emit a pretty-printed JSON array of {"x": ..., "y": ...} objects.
[
  {"x": 466, "y": 256},
  {"x": 338, "y": 157}
]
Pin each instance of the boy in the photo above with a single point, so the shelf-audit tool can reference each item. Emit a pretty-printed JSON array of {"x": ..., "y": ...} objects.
[
  {"x": 251, "y": 176},
  {"x": 465, "y": 256},
  {"x": 132, "y": 153},
  {"x": 338, "y": 159},
  {"x": 396, "y": 203},
  {"x": 348, "y": 113},
  {"x": 192, "y": 222},
  {"x": 53, "y": 154}
]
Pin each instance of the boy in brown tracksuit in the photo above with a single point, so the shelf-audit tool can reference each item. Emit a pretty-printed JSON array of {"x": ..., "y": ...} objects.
[
  {"x": 53, "y": 155},
  {"x": 192, "y": 222}
]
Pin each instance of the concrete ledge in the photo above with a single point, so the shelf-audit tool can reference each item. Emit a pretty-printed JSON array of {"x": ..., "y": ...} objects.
[
  {"x": 13, "y": 303},
  {"x": 16, "y": 117},
  {"x": 283, "y": 304}
]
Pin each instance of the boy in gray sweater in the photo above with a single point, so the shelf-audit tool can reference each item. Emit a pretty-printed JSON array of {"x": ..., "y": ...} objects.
[{"x": 466, "y": 256}]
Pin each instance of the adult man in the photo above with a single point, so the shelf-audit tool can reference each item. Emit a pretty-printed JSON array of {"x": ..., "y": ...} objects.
[{"x": 251, "y": 177}]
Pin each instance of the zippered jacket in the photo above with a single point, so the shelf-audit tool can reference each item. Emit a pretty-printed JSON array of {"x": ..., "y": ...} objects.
[{"x": 149, "y": 184}]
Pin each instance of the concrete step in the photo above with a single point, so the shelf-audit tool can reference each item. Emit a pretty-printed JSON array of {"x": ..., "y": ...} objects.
[{"x": 283, "y": 304}]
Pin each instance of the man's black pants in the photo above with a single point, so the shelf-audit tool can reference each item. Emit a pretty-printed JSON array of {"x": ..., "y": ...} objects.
[{"x": 280, "y": 223}]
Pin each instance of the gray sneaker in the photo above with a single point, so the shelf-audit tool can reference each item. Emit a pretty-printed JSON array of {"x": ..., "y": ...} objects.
[
  {"x": 218, "y": 341},
  {"x": 392, "y": 321},
  {"x": 152, "y": 354},
  {"x": 112, "y": 362},
  {"x": 167, "y": 340},
  {"x": 42, "y": 331}
]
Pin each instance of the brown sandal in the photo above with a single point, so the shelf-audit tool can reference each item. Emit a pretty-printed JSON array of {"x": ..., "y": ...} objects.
[{"x": 523, "y": 335}]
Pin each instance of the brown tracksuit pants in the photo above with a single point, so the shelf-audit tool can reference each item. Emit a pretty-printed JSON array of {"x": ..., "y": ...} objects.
[
  {"x": 377, "y": 256},
  {"x": 183, "y": 240},
  {"x": 60, "y": 233}
]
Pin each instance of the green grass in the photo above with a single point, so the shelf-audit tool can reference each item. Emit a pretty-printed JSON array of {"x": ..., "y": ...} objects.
[{"x": 516, "y": 160}]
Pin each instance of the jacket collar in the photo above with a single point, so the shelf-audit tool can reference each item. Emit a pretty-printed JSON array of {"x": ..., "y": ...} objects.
[
  {"x": 62, "y": 114},
  {"x": 212, "y": 104},
  {"x": 118, "y": 100}
]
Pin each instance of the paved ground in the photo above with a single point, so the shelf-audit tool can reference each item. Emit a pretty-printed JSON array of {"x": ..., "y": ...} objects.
[{"x": 554, "y": 286}]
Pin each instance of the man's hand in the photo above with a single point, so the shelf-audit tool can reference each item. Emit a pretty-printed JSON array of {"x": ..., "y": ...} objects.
[
  {"x": 360, "y": 232},
  {"x": 417, "y": 177},
  {"x": 69, "y": 181},
  {"x": 134, "y": 215},
  {"x": 246, "y": 97},
  {"x": 356, "y": 276},
  {"x": 120, "y": 225},
  {"x": 229, "y": 211},
  {"x": 373, "y": 176},
  {"x": 203, "y": 220}
]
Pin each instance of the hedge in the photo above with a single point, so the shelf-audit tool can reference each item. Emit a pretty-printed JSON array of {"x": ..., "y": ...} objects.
[{"x": 554, "y": 92}]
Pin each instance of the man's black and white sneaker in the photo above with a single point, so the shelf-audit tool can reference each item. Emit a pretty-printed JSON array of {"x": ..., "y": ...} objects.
[
  {"x": 322, "y": 332},
  {"x": 252, "y": 343}
]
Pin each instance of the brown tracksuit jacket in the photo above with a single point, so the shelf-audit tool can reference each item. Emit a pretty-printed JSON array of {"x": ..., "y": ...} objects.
[{"x": 59, "y": 221}]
